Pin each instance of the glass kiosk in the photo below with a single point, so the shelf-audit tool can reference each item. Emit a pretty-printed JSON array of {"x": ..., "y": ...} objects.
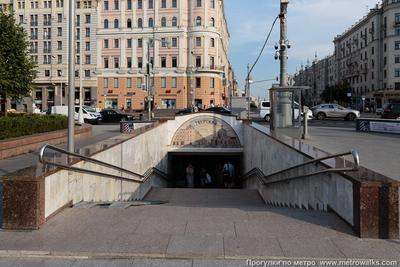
[{"x": 287, "y": 110}]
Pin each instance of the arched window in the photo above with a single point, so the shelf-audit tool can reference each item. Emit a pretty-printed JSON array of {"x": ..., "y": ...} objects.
[
  {"x": 116, "y": 23},
  {"x": 174, "y": 22},
  {"x": 212, "y": 22},
  {"x": 198, "y": 21},
  {"x": 151, "y": 22},
  {"x": 106, "y": 24},
  {"x": 140, "y": 23},
  {"x": 164, "y": 22},
  {"x": 129, "y": 23}
]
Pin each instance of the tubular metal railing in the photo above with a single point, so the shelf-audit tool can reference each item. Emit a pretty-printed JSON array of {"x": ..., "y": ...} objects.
[
  {"x": 267, "y": 178},
  {"x": 140, "y": 179}
]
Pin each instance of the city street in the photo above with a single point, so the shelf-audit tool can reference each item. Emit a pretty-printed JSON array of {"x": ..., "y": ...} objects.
[{"x": 100, "y": 132}]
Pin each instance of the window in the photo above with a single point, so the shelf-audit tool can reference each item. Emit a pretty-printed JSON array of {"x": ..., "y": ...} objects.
[
  {"x": 129, "y": 82},
  {"x": 116, "y": 4},
  {"x": 198, "y": 3},
  {"x": 87, "y": 19},
  {"x": 59, "y": 45},
  {"x": 59, "y": 31},
  {"x": 105, "y": 82},
  {"x": 212, "y": 22},
  {"x": 174, "y": 62},
  {"x": 105, "y": 43},
  {"x": 139, "y": 82},
  {"x": 87, "y": 46},
  {"x": 106, "y": 24},
  {"x": 47, "y": 73},
  {"x": 163, "y": 62},
  {"x": 105, "y": 5},
  {"x": 140, "y": 43},
  {"x": 129, "y": 23},
  {"x": 212, "y": 3},
  {"x": 212, "y": 83},
  {"x": 87, "y": 33},
  {"x": 116, "y": 43},
  {"x": 140, "y": 62},
  {"x": 198, "y": 21},
  {"x": 78, "y": 20},
  {"x": 151, "y": 23},
  {"x": 198, "y": 41},
  {"x": 198, "y": 61},
  {"x": 212, "y": 41},
  {"x": 397, "y": 73},
  {"x": 129, "y": 43},
  {"x": 397, "y": 31},
  {"x": 164, "y": 42},
  {"x": 163, "y": 3},
  {"x": 163, "y": 22},
  {"x": 173, "y": 82},
  {"x": 174, "y": 4},
  {"x": 397, "y": 18},
  {"x": 397, "y": 59},
  {"x": 174, "y": 42},
  {"x": 116, "y": 23},
  {"x": 116, "y": 83},
  {"x": 129, "y": 4},
  {"x": 87, "y": 59},
  {"x": 140, "y": 23},
  {"x": 397, "y": 45},
  {"x": 212, "y": 63},
  {"x": 151, "y": 4},
  {"x": 163, "y": 82},
  {"x": 140, "y": 4},
  {"x": 174, "y": 22},
  {"x": 106, "y": 63},
  {"x": 372, "y": 50},
  {"x": 198, "y": 82},
  {"x": 129, "y": 62},
  {"x": 59, "y": 59},
  {"x": 59, "y": 18}
]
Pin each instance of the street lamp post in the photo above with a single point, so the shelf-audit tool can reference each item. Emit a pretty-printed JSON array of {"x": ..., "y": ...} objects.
[{"x": 71, "y": 75}]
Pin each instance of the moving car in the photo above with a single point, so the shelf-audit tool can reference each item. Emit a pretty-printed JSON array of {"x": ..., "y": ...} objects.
[
  {"x": 112, "y": 115},
  {"x": 334, "y": 111},
  {"x": 265, "y": 111},
  {"x": 391, "y": 111},
  {"x": 220, "y": 110}
]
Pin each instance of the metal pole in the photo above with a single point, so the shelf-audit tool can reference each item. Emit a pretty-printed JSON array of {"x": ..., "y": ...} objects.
[
  {"x": 149, "y": 94},
  {"x": 283, "y": 42},
  {"x": 248, "y": 91},
  {"x": 71, "y": 75},
  {"x": 80, "y": 116}
]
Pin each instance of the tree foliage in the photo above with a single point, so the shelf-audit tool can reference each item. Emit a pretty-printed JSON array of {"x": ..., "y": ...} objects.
[
  {"x": 336, "y": 93},
  {"x": 17, "y": 70}
]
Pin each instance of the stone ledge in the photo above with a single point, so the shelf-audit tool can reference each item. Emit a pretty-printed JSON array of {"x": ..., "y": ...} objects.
[{"x": 26, "y": 144}]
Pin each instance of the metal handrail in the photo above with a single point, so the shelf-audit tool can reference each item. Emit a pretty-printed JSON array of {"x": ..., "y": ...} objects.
[
  {"x": 354, "y": 168},
  {"x": 95, "y": 161}
]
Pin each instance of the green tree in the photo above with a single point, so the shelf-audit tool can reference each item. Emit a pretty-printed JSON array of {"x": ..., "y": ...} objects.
[
  {"x": 336, "y": 93},
  {"x": 17, "y": 70}
]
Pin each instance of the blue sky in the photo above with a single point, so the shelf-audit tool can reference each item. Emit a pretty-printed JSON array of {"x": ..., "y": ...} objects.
[{"x": 312, "y": 26}]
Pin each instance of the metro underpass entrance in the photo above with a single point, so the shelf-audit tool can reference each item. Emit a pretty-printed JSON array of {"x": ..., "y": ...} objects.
[{"x": 204, "y": 163}]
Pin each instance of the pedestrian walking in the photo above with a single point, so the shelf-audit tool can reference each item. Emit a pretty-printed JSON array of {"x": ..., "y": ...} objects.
[{"x": 190, "y": 176}]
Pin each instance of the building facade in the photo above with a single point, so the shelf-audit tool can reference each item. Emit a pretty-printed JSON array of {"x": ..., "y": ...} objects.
[
  {"x": 367, "y": 57},
  {"x": 176, "y": 49}
]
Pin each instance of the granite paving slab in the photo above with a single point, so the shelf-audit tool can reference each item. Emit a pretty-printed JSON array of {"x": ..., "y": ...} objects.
[
  {"x": 252, "y": 247},
  {"x": 196, "y": 246},
  {"x": 310, "y": 248}
]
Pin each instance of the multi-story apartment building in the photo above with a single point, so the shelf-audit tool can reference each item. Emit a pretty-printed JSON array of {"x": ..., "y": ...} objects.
[
  {"x": 45, "y": 21},
  {"x": 185, "y": 42},
  {"x": 367, "y": 57}
]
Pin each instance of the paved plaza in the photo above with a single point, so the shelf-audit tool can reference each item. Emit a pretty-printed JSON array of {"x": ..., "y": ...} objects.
[{"x": 196, "y": 224}]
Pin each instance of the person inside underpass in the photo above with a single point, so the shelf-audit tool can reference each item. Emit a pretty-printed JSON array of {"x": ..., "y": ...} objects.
[{"x": 204, "y": 171}]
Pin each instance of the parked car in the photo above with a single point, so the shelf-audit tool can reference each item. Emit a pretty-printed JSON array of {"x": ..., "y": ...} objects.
[
  {"x": 391, "y": 111},
  {"x": 112, "y": 115},
  {"x": 334, "y": 111},
  {"x": 379, "y": 111},
  {"x": 89, "y": 114},
  {"x": 220, "y": 110},
  {"x": 265, "y": 111},
  {"x": 184, "y": 111}
]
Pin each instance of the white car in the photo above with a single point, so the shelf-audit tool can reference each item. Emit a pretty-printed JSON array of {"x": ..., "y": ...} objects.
[
  {"x": 265, "y": 111},
  {"x": 89, "y": 114}
]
